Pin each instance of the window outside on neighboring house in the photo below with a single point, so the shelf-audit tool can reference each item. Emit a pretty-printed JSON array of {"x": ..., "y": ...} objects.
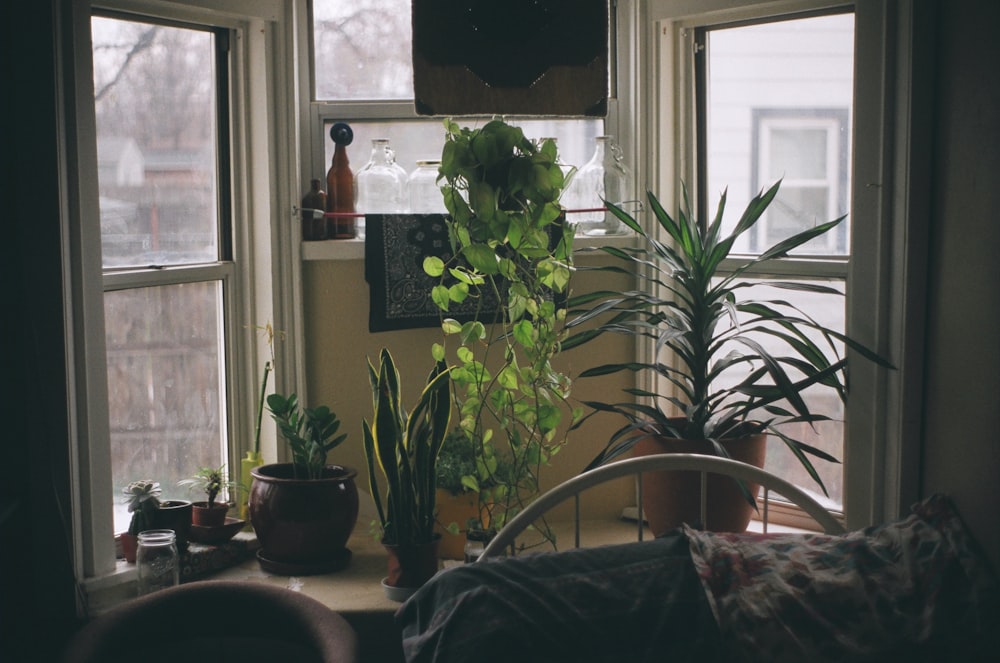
[{"x": 165, "y": 247}]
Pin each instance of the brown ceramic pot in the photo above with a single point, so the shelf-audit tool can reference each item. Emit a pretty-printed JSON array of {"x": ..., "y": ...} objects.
[
  {"x": 303, "y": 524},
  {"x": 670, "y": 498}
]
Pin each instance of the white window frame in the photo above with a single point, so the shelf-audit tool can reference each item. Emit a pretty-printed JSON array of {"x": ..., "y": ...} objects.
[
  {"x": 886, "y": 275},
  {"x": 262, "y": 176}
]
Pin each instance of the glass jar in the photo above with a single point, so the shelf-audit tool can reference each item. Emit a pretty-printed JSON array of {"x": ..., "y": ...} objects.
[
  {"x": 604, "y": 177},
  {"x": 157, "y": 560},
  {"x": 475, "y": 544},
  {"x": 380, "y": 187},
  {"x": 425, "y": 194}
]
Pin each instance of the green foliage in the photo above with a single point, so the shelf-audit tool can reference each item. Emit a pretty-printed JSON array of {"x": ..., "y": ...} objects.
[
  {"x": 211, "y": 481},
  {"x": 695, "y": 324},
  {"x": 510, "y": 245},
  {"x": 143, "y": 498},
  {"x": 310, "y": 433},
  {"x": 404, "y": 447}
]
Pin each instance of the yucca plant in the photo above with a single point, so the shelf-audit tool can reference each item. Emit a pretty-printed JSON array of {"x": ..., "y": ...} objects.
[
  {"x": 403, "y": 446},
  {"x": 702, "y": 328}
]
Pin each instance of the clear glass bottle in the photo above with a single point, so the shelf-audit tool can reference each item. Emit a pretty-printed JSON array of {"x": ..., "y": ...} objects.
[
  {"x": 157, "y": 560},
  {"x": 604, "y": 177},
  {"x": 380, "y": 186},
  {"x": 425, "y": 194}
]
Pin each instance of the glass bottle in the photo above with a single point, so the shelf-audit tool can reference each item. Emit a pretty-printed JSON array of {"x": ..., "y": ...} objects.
[
  {"x": 340, "y": 186},
  {"x": 313, "y": 207},
  {"x": 381, "y": 184},
  {"x": 425, "y": 194},
  {"x": 157, "y": 560},
  {"x": 604, "y": 177}
]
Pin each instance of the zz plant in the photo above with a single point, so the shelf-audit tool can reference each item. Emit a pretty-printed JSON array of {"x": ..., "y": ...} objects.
[
  {"x": 512, "y": 255},
  {"x": 311, "y": 433}
]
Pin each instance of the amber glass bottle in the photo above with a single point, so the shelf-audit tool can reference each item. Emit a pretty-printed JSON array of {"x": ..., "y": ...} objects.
[{"x": 340, "y": 185}]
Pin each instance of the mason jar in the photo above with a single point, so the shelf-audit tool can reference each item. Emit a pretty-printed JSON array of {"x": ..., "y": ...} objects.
[{"x": 157, "y": 560}]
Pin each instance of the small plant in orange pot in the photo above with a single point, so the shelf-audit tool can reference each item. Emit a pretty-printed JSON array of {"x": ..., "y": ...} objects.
[{"x": 212, "y": 481}]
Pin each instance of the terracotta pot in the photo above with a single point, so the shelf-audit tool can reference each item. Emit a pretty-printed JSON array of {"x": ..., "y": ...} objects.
[
  {"x": 456, "y": 509},
  {"x": 303, "y": 525},
  {"x": 175, "y": 515},
  {"x": 129, "y": 543},
  {"x": 203, "y": 515},
  {"x": 671, "y": 498},
  {"x": 413, "y": 564}
]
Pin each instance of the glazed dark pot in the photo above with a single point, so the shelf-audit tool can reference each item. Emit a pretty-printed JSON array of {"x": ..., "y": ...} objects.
[
  {"x": 303, "y": 525},
  {"x": 670, "y": 498},
  {"x": 175, "y": 515}
]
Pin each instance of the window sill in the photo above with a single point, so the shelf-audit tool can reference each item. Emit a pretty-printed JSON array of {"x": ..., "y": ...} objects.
[
  {"x": 107, "y": 591},
  {"x": 354, "y": 249}
]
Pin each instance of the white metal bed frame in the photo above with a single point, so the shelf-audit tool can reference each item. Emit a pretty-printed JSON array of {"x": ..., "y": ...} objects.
[{"x": 572, "y": 488}]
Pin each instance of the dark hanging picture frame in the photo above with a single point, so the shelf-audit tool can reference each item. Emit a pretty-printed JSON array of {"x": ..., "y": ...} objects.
[{"x": 516, "y": 57}]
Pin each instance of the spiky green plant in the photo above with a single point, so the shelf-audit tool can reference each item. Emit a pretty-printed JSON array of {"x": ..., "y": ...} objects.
[
  {"x": 699, "y": 335},
  {"x": 404, "y": 446}
]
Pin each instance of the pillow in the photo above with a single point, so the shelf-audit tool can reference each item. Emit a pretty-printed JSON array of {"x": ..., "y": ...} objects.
[{"x": 915, "y": 586}]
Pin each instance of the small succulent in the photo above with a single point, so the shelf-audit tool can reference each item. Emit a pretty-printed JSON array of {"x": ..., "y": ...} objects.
[
  {"x": 143, "y": 498},
  {"x": 211, "y": 481}
]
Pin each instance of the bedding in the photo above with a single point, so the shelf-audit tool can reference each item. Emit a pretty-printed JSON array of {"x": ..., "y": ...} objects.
[{"x": 916, "y": 590}]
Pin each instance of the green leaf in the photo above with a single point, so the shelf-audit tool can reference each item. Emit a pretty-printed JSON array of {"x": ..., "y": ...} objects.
[
  {"x": 524, "y": 333},
  {"x": 433, "y": 266},
  {"x": 440, "y": 296},
  {"x": 451, "y": 326},
  {"x": 437, "y": 352},
  {"x": 458, "y": 292},
  {"x": 482, "y": 258}
]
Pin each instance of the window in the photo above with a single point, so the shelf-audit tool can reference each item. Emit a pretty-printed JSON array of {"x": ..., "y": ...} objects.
[
  {"x": 169, "y": 255},
  {"x": 362, "y": 74},
  {"x": 762, "y": 124},
  {"x": 880, "y": 264},
  {"x": 166, "y": 248}
]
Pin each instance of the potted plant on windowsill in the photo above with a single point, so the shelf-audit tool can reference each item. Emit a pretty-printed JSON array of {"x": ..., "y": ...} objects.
[
  {"x": 462, "y": 474},
  {"x": 512, "y": 257},
  {"x": 149, "y": 512},
  {"x": 304, "y": 511},
  {"x": 210, "y": 521},
  {"x": 403, "y": 448},
  {"x": 705, "y": 332}
]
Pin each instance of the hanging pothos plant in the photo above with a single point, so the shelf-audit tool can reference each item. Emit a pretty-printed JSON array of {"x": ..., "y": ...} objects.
[{"x": 512, "y": 254}]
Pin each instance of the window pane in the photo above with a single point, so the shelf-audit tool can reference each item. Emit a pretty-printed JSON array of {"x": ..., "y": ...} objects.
[
  {"x": 154, "y": 89},
  {"x": 779, "y": 102},
  {"x": 362, "y": 49},
  {"x": 828, "y": 311},
  {"x": 164, "y": 351}
]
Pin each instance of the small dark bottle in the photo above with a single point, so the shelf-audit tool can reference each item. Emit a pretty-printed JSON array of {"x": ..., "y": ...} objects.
[
  {"x": 313, "y": 207},
  {"x": 340, "y": 186}
]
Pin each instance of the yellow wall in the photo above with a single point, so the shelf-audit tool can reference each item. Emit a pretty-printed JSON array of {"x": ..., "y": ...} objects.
[{"x": 335, "y": 298}]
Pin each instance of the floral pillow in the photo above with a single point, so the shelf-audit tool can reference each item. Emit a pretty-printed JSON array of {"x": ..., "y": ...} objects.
[{"x": 915, "y": 586}]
